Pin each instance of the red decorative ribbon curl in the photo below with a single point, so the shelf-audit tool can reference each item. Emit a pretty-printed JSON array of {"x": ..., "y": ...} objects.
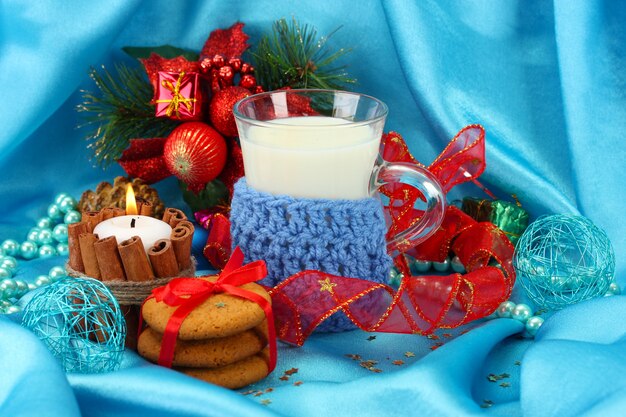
[
  {"x": 421, "y": 304},
  {"x": 188, "y": 293}
]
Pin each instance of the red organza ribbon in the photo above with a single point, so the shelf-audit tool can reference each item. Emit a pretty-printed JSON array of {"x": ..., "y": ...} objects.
[
  {"x": 188, "y": 293},
  {"x": 422, "y": 303}
]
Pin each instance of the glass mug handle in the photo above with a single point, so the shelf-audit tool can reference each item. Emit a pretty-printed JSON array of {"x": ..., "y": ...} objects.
[{"x": 422, "y": 179}]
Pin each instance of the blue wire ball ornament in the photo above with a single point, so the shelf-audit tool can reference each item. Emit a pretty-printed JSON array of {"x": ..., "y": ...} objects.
[
  {"x": 562, "y": 260},
  {"x": 80, "y": 322}
]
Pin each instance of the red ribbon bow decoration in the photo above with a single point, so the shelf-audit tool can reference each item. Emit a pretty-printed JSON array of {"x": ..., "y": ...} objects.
[{"x": 188, "y": 293}]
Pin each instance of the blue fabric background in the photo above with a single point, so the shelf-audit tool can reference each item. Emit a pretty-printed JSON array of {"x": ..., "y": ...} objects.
[{"x": 547, "y": 80}]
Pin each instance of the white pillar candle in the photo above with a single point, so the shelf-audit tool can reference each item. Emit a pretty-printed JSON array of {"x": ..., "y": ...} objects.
[{"x": 147, "y": 228}]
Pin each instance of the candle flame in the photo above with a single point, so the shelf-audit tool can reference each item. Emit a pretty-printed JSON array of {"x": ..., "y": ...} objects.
[{"x": 131, "y": 203}]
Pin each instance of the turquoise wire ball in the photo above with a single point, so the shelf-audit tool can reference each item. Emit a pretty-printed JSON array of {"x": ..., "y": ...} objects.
[
  {"x": 562, "y": 260},
  {"x": 80, "y": 322}
]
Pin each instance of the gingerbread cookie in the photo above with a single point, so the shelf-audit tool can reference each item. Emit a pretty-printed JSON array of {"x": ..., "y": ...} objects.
[
  {"x": 207, "y": 353},
  {"x": 220, "y": 315},
  {"x": 235, "y": 375}
]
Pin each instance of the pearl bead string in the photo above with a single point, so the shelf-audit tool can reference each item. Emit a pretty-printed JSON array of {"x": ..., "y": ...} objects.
[{"x": 48, "y": 238}]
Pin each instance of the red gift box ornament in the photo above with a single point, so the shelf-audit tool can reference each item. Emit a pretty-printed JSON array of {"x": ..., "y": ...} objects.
[{"x": 178, "y": 95}]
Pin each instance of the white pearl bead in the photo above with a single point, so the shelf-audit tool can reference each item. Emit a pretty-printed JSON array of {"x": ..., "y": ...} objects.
[
  {"x": 521, "y": 312},
  {"x": 442, "y": 266},
  {"x": 42, "y": 281},
  {"x": 533, "y": 324},
  {"x": 504, "y": 309},
  {"x": 8, "y": 287},
  {"x": 421, "y": 266},
  {"x": 456, "y": 265},
  {"x": 13, "y": 309}
]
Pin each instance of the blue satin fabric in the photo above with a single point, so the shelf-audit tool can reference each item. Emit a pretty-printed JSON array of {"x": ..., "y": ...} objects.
[{"x": 545, "y": 79}]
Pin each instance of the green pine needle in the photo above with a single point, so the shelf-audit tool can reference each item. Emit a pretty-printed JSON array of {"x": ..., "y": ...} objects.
[
  {"x": 293, "y": 56},
  {"x": 120, "y": 113}
]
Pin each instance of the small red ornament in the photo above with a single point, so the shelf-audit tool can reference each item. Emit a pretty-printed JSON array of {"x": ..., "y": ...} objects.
[
  {"x": 221, "y": 109},
  {"x": 195, "y": 153}
]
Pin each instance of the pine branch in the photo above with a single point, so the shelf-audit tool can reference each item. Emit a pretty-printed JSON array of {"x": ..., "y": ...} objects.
[
  {"x": 292, "y": 56},
  {"x": 121, "y": 112}
]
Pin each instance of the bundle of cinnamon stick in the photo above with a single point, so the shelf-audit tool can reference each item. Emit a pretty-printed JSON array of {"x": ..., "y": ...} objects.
[{"x": 106, "y": 260}]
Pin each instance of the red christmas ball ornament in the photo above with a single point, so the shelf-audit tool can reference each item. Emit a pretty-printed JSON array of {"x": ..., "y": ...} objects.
[
  {"x": 195, "y": 153},
  {"x": 221, "y": 109}
]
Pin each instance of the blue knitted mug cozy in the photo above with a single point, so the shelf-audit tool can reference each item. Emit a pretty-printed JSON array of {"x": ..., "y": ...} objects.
[{"x": 340, "y": 237}]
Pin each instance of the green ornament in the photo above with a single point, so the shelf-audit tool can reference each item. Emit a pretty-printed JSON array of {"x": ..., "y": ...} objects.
[{"x": 508, "y": 217}]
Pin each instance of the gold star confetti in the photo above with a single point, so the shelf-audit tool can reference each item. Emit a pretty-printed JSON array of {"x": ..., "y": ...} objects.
[
  {"x": 398, "y": 362},
  {"x": 369, "y": 339},
  {"x": 284, "y": 378},
  {"x": 409, "y": 354},
  {"x": 486, "y": 404},
  {"x": 447, "y": 335},
  {"x": 433, "y": 337},
  {"x": 505, "y": 385},
  {"x": 492, "y": 378},
  {"x": 326, "y": 285},
  {"x": 269, "y": 389},
  {"x": 518, "y": 363},
  {"x": 291, "y": 371},
  {"x": 297, "y": 383},
  {"x": 220, "y": 304},
  {"x": 266, "y": 401},
  {"x": 368, "y": 363},
  {"x": 375, "y": 370},
  {"x": 258, "y": 393},
  {"x": 247, "y": 392},
  {"x": 353, "y": 356}
]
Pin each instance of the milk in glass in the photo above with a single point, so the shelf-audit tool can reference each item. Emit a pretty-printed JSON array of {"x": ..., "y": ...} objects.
[{"x": 310, "y": 157}]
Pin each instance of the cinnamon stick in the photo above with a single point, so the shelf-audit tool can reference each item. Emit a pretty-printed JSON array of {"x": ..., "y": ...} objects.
[
  {"x": 173, "y": 216},
  {"x": 109, "y": 260},
  {"x": 73, "y": 231},
  {"x": 88, "y": 254},
  {"x": 92, "y": 218},
  {"x": 135, "y": 260},
  {"x": 110, "y": 212},
  {"x": 163, "y": 259},
  {"x": 144, "y": 207},
  {"x": 181, "y": 238}
]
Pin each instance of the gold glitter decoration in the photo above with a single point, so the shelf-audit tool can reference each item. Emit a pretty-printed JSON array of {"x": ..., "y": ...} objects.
[{"x": 327, "y": 285}]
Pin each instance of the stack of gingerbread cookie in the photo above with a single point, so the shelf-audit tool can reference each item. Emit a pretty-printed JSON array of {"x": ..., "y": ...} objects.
[{"x": 223, "y": 341}]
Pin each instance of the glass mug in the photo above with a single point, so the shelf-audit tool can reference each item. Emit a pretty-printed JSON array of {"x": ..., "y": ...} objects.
[{"x": 324, "y": 144}]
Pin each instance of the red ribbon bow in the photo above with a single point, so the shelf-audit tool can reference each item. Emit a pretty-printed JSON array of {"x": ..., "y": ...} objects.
[{"x": 188, "y": 293}]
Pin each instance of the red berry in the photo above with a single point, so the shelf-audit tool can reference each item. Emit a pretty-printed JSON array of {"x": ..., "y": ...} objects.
[{"x": 247, "y": 81}]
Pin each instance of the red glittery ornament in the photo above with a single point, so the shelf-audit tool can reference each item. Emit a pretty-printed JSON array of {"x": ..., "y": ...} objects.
[
  {"x": 156, "y": 63},
  {"x": 234, "y": 168},
  {"x": 221, "y": 109},
  {"x": 195, "y": 153},
  {"x": 231, "y": 43},
  {"x": 144, "y": 159}
]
